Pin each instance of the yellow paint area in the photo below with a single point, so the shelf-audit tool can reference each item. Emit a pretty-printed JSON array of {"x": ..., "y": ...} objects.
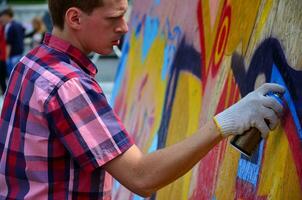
[
  {"x": 184, "y": 122},
  {"x": 278, "y": 176},
  {"x": 243, "y": 17},
  {"x": 262, "y": 26},
  {"x": 226, "y": 181},
  {"x": 262, "y": 18},
  {"x": 145, "y": 91},
  {"x": 227, "y": 173},
  {"x": 209, "y": 30}
]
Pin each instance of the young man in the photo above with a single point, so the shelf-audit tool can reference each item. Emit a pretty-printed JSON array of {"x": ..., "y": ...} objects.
[{"x": 59, "y": 136}]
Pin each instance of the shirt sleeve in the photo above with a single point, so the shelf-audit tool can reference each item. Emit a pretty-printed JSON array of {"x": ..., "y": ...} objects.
[{"x": 82, "y": 119}]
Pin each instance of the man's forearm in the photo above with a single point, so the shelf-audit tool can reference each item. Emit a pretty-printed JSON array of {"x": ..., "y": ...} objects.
[
  {"x": 166, "y": 165},
  {"x": 151, "y": 172}
]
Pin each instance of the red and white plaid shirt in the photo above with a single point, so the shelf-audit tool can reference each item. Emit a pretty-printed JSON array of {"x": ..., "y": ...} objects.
[{"x": 57, "y": 128}]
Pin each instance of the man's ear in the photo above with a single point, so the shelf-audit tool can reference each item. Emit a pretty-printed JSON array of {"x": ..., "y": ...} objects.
[{"x": 73, "y": 18}]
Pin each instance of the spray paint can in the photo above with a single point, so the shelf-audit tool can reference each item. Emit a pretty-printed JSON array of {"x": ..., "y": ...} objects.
[{"x": 248, "y": 142}]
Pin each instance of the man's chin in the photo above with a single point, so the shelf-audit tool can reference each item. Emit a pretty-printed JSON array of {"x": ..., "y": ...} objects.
[{"x": 105, "y": 52}]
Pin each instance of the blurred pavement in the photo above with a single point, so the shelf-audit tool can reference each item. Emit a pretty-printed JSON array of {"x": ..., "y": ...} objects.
[{"x": 107, "y": 67}]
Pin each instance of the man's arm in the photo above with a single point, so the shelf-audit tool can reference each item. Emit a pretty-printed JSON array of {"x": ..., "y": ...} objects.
[{"x": 145, "y": 174}]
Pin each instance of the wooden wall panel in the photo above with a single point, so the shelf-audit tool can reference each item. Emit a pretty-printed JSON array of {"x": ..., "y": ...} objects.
[{"x": 185, "y": 61}]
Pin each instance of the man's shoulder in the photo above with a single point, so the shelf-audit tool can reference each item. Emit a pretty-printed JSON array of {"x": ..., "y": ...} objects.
[
  {"x": 16, "y": 25},
  {"x": 53, "y": 65}
]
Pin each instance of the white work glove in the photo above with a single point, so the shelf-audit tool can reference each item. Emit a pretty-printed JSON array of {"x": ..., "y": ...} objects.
[{"x": 252, "y": 111}]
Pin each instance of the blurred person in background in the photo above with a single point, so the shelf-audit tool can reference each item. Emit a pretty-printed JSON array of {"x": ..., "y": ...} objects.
[
  {"x": 3, "y": 74},
  {"x": 14, "y": 36},
  {"x": 38, "y": 32},
  {"x": 47, "y": 21}
]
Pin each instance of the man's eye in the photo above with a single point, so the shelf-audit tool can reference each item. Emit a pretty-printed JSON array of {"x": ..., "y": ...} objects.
[{"x": 116, "y": 18}]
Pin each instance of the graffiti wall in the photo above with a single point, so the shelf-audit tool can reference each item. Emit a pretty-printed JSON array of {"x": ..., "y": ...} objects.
[{"x": 185, "y": 61}]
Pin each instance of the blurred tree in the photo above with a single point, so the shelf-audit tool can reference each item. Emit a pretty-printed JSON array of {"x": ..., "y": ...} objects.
[
  {"x": 25, "y": 1},
  {"x": 2, "y": 2}
]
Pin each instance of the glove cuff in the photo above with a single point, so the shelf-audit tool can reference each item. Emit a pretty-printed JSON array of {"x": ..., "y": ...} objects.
[{"x": 225, "y": 123}]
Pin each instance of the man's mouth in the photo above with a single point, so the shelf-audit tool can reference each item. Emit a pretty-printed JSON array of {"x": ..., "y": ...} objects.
[{"x": 115, "y": 42}]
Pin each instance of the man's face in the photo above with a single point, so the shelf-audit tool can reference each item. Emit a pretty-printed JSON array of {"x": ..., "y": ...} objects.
[
  {"x": 104, "y": 27},
  {"x": 4, "y": 19}
]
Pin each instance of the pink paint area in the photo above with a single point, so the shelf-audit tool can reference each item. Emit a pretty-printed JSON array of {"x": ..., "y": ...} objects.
[{"x": 214, "y": 5}]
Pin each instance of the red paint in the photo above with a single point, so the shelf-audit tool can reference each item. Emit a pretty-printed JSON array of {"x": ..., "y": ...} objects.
[
  {"x": 246, "y": 191},
  {"x": 210, "y": 164},
  {"x": 221, "y": 39},
  {"x": 219, "y": 44},
  {"x": 208, "y": 171},
  {"x": 141, "y": 87},
  {"x": 294, "y": 143}
]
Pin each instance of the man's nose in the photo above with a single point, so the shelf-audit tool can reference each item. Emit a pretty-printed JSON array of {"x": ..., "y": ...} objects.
[{"x": 123, "y": 27}]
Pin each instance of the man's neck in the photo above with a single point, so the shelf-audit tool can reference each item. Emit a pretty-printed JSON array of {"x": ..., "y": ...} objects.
[{"x": 70, "y": 38}]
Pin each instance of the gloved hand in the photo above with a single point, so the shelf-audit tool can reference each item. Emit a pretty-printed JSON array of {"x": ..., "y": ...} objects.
[{"x": 252, "y": 111}]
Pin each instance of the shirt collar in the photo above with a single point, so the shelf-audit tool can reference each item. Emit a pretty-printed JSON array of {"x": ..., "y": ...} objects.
[{"x": 76, "y": 55}]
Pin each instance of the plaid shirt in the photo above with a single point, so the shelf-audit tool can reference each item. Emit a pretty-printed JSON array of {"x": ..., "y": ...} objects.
[{"x": 56, "y": 128}]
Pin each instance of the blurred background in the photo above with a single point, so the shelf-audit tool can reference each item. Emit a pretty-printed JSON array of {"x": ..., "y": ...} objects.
[{"x": 25, "y": 11}]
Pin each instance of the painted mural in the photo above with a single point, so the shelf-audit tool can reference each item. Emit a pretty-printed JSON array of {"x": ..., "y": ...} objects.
[{"x": 185, "y": 61}]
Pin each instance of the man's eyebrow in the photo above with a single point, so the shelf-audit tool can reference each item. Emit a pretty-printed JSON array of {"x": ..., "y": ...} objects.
[
  {"x": 119, "y": 14},
  {"x": 123, "y": 9}
]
